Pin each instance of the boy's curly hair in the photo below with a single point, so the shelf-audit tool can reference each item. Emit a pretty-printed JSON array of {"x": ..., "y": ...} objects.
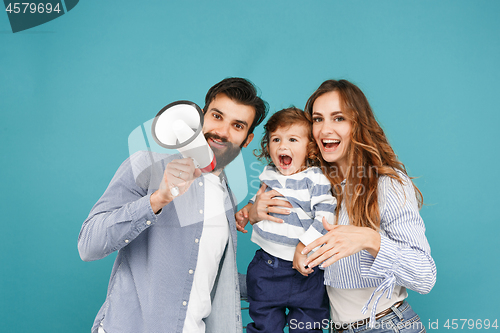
[{"x": 286, "y": 118}]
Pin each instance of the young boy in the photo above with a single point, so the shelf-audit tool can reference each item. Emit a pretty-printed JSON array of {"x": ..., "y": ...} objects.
[{"x": 273, "y": 285}]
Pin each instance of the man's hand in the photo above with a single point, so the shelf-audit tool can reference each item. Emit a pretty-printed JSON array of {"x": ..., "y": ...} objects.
[{"x": 178, "y": 175}]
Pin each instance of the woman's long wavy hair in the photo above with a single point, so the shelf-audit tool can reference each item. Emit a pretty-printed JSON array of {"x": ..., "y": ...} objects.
[{"x": 369, "y": 156}]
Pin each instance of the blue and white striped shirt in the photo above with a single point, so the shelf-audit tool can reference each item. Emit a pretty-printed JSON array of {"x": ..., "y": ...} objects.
[
  {"x": 309, "y": 193},
  {"x": 404, "y": 257}
]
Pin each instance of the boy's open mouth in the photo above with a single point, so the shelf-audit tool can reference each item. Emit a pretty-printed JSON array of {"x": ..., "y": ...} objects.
[
  {"x": 285, "y": 161},
  {"x": 330, "y": 144}
]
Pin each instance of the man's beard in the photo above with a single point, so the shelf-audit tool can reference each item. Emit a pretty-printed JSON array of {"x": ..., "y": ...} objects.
[{"x": 225, "y": 155}]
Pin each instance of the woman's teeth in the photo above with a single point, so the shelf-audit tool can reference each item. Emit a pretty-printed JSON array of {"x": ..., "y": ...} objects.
[{"x": 329, "y": 143}]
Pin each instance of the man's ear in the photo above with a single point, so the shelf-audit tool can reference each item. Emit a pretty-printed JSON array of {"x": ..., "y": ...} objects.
[{"x": 248, "y": 140}]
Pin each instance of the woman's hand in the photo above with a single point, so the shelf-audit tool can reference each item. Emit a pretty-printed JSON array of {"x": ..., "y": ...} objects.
[
  {"x": 265, "y": 204},
  {"x": 341, "y": 241},
  {"x": 299, "y": 260}
]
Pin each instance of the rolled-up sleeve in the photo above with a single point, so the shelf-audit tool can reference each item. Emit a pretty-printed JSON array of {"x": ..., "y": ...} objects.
[{"x": 323, "y": 204}]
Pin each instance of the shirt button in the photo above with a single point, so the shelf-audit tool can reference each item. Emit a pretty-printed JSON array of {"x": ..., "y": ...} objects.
[
  {"x": 148, "y": 222},
  {"x": 201, "y": 211},
  {"x": 196, "y": 240},
  {"x": 126, "y": 241},
  {"x": 184, "y": 303},
  {"x": 270, "y": 262},
  {"x": 200, "y": 183},
  {"x": 191, "y": 271}
]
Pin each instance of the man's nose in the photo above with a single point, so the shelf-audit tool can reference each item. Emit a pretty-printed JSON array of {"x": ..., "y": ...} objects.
[{"x": 223, "y": 130}]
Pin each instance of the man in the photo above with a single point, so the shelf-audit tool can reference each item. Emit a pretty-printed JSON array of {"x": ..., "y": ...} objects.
[{"x": 176, "y": 265}]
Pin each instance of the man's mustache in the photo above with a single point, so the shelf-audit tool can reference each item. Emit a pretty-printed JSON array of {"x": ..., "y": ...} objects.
[{"x": 215, "y": 137}]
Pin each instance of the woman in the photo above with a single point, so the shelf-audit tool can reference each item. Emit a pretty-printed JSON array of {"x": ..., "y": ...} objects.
[{"x": 376, "y": 244}]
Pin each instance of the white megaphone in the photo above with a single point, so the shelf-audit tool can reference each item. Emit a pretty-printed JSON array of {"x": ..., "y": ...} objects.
[{"x": 179, "y": 126}]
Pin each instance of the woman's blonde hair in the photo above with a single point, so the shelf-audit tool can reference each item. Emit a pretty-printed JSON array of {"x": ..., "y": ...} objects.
[{"x": 369, "y": 156}]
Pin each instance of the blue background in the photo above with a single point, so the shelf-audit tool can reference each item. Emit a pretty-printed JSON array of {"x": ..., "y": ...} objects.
[{"x": 73, "y": 89}]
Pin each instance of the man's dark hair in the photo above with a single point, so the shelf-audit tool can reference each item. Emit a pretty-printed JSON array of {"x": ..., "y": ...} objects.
[{"x": 241, "y": 91}]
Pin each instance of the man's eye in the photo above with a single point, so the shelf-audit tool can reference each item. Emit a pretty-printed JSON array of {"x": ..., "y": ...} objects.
[
  {"x": 216, "y": 116},
  {"x": 238, "y": 126}
]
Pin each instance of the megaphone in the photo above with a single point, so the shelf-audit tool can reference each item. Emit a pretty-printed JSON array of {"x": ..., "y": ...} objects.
[{"x": 179, "y": 126}]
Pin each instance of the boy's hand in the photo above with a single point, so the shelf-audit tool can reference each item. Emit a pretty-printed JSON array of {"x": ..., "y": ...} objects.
[
  {"x": 299, "y": 259},
  {"x": 242, "y": 219}
]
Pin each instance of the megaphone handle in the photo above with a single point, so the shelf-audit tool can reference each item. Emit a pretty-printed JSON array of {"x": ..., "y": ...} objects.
[
  {"x": 196, "y": 164},
  {"x": 174, "y": 191}
]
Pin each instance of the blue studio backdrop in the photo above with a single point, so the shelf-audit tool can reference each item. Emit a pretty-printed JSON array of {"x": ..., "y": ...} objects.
[{"x": 74, "y": 90}]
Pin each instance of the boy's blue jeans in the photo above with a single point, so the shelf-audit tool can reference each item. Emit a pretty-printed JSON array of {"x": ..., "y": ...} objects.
[{"x": 274, "y": 286}]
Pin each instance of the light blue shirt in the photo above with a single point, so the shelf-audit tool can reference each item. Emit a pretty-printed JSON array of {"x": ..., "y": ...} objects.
[{"x": 152, "y": 275}]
